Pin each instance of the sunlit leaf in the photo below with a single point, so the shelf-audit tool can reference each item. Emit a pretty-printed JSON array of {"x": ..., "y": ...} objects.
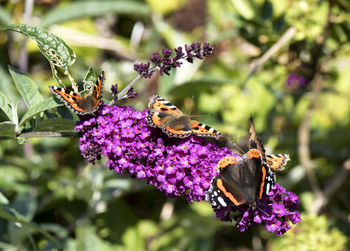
[
  {"x": 53, "y": 48},
  {"x": 27, "y": 87},
  {"x": 13, "y": 179},
  {"x": 3, "y": 199},
  {"x": 7, "y": 129},
  {"x": 5, "y": 17},
  {"x": 5, "y": 105},
  {"x": 243, "y": 8}
]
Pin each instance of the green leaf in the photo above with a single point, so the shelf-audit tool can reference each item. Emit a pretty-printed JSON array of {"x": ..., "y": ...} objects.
[
  {"x": 5, "y": 105},
  {"x": 56, "y": 125},
  {"x": 12, "y": 215},
  {"x": 13, "y": 179},
  {"x": 88, "y": 240},
  {"x": 3, "y": 199},
  {"x": 89, "y": 80},
  {"x": 54, "y": 49},
  {"x": 7, "y": 83},
  {"x": 25, "y": 204},
  {"x": 94, "y": 9},
  {"x": 7, "y": 129},
  {"x": 243, "y": 8},
  {"x": 27, "y": 87},
  {"x": 5, "y": 17},
  {"x": 40, "y": 107}
]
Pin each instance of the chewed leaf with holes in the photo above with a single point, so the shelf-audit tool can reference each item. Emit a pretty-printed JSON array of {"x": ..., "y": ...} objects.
[{"x": 55, "y": 49}]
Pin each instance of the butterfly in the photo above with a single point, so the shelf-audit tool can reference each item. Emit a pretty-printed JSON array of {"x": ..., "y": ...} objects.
[
  {"x": 81, "y": 104},
  {"x": 246, "y": 179},
  {"x": 173, "y": 122}
]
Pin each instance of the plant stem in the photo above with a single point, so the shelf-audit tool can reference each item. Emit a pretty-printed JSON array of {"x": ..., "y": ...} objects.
[{"x": 47, "y": 134}]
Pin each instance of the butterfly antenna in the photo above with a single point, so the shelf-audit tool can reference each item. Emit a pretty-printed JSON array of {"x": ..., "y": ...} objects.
[
  {"x": 237, "y": 147},
  {"x": 262, "y": 210},
  {"x": 191, "y": 106},
  {"x": 244, "y": 213},
  {"x": 202, "y": 115}
]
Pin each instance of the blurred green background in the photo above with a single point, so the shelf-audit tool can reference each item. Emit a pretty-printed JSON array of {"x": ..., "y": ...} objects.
[{"x": 286, "y": 62}]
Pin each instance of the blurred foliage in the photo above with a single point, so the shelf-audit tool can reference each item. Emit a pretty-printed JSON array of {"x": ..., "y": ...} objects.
[{"x": 51, "y": 199}]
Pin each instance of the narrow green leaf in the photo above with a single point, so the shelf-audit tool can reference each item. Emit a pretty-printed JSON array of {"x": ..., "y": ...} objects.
[
  {"x": 7, "y": 129},
  {"x": 56, "y": 125},
  {"x": 11, "y": 215},
  {"x": 5, "y": 105},
  {"x": 40, "y": 107},
  {"x": 53, "y": 47},
  {"x": 243, "y": 8},
  {"x": 3, "y": 199},
  {"x": 5, "y": 17},
  {"x": 27, "y": 87},
  {"x": 94, "y": 9}
]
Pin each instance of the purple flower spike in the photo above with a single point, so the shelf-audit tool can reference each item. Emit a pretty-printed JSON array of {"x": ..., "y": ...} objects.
[
  {"x": 178, "y": 167},
  {"x": 273, "y": 210},
  {"x": 166, "y": 62}
]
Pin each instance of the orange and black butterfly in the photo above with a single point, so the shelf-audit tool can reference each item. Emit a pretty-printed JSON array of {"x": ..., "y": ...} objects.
[
  {"x": 81, "y": 104},
  {"x": 173, "y": 122},
  {"x": 246, "y": 179}
]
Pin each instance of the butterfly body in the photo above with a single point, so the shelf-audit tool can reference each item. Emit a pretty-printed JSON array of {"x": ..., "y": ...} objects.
[
  {"x": 246, "y": 179},
  {"x": 79, "y": 104},
  {"x": 173, "y": 122}
]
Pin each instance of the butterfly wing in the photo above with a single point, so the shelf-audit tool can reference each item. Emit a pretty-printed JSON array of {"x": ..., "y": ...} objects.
[
  {"x": 78, "y": 104},
  {"x": 97, "y": 92},
  {"x": 227, "y": 189},
  {"x": 69, "y": 98},
  {"x": 168, "y": 117},
  {"x": 204, "y": 130},
  {"x": 255, "y": 141},
  {"x": 277, "y": 161},
  {"x": 241, "y": 179},
  {"x": 217, "y": 194}
]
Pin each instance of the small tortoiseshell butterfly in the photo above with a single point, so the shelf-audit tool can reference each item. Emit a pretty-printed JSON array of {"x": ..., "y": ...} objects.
[
  {"x": 173, "y": 122},
  {"x": 81, "y": 104}
]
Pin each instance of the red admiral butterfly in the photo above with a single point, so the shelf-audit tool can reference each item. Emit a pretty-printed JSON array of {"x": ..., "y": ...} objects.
[
  {"x": 81, "y": 104},
  {"x": 173, "y": 122},
  {"x": 243, "y": 180}
]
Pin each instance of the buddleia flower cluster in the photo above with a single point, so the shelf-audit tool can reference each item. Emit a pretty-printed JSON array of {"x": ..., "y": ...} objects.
[{"x": 176, "y": 166}]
